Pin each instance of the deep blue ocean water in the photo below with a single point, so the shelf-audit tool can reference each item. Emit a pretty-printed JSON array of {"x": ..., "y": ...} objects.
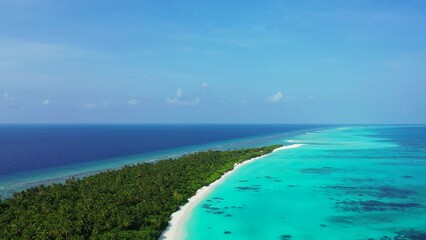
[{"x": 33, "y": 154}]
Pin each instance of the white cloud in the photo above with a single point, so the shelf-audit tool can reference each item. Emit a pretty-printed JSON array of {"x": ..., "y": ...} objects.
[
  {"x": 109, "y": 103},
  {"x": 90, "y": 106},
  {"x": 205, "y": 85},
  {"x": 46, "y": 102},
  {"x": 179, "y": 101},
  {"x": 6, "y": 97},
  {"x": 275, "y": 97},
  {"x": 132, "y": 102},
  {"x": 179, "y": 92}
]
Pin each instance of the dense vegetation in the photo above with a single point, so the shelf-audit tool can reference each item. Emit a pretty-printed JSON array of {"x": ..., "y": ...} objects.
[{"x": 131, "y": 203}]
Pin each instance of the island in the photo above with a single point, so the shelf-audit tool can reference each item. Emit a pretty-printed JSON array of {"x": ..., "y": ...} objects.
[{"x": 135, "y": 202}]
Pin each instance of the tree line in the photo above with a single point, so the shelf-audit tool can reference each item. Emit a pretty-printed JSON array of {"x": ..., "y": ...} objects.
[{"x": 135, "y": 202}]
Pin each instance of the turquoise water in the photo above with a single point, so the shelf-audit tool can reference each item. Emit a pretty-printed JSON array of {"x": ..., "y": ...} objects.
[{"x": 343, "y": 183}]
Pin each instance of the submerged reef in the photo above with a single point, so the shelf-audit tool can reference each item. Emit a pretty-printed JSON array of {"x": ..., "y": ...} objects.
[
  {"x": 373, "y": 205},
  {"x": 373, "y": 191}
]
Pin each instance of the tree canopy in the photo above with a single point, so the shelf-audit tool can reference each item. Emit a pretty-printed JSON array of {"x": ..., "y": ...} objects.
[{"x": 135, "y": 202}]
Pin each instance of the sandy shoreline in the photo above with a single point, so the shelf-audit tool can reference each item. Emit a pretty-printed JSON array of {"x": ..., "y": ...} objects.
[{"x": 175, "y": 230}]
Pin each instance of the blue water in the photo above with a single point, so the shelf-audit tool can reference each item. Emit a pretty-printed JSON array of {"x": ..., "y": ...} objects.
[
  {"x": 34, "y": 154},
  {"x": 342, "y": 183}
]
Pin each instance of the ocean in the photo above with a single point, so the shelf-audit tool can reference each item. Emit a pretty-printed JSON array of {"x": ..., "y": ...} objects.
[
  {"x": 356, "y": 182},
  {"x": 43, "y": 154}
]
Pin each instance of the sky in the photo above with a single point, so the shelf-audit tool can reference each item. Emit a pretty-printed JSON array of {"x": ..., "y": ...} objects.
[{"x": 242, "y": 61}]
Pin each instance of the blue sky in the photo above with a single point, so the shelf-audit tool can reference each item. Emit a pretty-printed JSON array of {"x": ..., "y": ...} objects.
[{"x": 334, "y": 61}]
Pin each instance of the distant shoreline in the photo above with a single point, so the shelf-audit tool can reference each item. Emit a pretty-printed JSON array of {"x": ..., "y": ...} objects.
[
  {"x": 15, "y": 182},
  {"x": 175, "y": 229}
]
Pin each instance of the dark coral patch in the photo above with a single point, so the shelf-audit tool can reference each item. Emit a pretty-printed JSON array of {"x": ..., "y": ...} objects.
[
  {"x": 323, "y": 170},
  {"x": 248, "y": 188},
  {"x": 285, "y": 236},
  {"x": 211, "y": 209},
  {"x": 373, "y": 191},
  {"x": 341, "y": 220},
  {"x": 227, "y": 232},
  {"x": 411, "y": 234},
  {"x": 359, "y": 180},
  {"x": 372, "y": 205},
  {"x": 218, "y": 212},
  {"x": 218, "y": 198},
  {"x": 405, "y": 235},
  {"x": 391, "y": 192}
]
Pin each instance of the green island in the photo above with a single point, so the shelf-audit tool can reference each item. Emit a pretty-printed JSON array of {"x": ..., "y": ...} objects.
[{"x": 135, "y": 202}]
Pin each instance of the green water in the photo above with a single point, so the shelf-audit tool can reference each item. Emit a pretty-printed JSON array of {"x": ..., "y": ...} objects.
[{"x": 343, "y": 183}]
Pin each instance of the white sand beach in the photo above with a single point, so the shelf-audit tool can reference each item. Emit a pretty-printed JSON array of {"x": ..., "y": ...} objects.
[{"x": 175, "y": 230}]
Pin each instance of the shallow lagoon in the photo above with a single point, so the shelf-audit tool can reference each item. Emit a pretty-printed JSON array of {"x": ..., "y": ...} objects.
[{"x": 344, "y": 183}]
